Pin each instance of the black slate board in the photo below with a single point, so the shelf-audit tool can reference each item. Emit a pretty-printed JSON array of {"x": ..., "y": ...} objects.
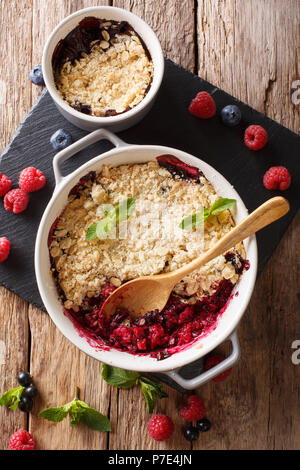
[{"x": 169, "y": 123}]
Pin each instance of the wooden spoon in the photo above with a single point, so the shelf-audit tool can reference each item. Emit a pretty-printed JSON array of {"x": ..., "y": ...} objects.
[{"x": 147, "y": 293}]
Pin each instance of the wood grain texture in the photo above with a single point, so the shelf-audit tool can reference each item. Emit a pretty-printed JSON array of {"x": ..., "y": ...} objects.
[
  {"x": 58, "y": 368},
  {"x": 14, "y": 346},
  {"x": 15, "y": 101},
  {"x": 250, "y": 49}
]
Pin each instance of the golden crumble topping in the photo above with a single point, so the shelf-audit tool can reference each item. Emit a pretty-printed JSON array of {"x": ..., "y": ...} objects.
[{"x": 149, "y": 242}]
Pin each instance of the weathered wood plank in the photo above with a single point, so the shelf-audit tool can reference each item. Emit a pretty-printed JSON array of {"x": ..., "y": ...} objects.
[
  {"x": 251, "y": 50},
  {"x": 58, "y": 367},
  {"x": 15, "y": 100},
  {"x": 13, "y": 357}
]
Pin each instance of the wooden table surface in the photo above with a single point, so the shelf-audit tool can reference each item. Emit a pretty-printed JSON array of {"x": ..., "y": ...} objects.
[{"x": 252, "y": 50}]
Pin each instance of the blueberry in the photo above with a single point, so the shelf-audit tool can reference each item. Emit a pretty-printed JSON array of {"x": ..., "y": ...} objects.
[
  {"x": 30, "y": 391},
  {"x": 61, "y": 139},
  {"x": 36, "y": 75},
  {"x": 26, "y": 404},
  {"x": 24, "y": 378},
  {"x": 231, "y": 115},
  {"x": 203, "y": 425},
  {"x": 191, "y": 433}
]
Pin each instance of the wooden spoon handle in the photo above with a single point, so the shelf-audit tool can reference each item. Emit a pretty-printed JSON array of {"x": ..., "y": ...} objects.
[{"x": 264, "y": 215}]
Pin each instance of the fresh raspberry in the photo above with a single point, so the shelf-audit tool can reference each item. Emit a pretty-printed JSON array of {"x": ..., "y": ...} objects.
[
  {"x": 16, "y": 200},
  {"x": 160, "y": 427},
  {"x": 255, "y": 137},
  {"x": 4, "y": 248},
  {"x": 31, "y": 179},
  {"x": 22, "y": 440},
  {"x": 5, "y": 184},
  {"x": 194, "y": 410},
  {"x": 203, "y": 105},
  {"x": 212, "y": 361},
  {"x": 277, "y": 177}
]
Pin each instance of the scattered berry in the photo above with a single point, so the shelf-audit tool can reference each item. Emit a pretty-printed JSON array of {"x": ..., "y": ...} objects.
[
  {"x": 212, "y": 361},
  {"x": 203, "y": 425},
  {"x": 24, "y": 378},
  {"x": 203, "y": 105},
  {"x": 231, "y": 115},
  {"x": 26, "y": 404},
  {"x": 30, "y": 391},
  {"x": 22, "y": 440},
  {"x": 31, "y": 179},
  {"x": 191, "y": 433},
  {"x": 61, "y": 139},
  {"x": 255, "y": 137},
  {"x": 5, "y": 184},
  {"x": 4, "y": 248},
  {"x": 160, "y": 427},
  {"x": 16, "y": 200},
  {"x": 194, "y": 410},
  {"x": 277, "y": 177},
  {"x": 36, "y": 75}
]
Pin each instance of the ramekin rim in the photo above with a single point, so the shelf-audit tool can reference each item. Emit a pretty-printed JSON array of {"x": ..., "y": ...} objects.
[{"x": 155, "y": 84}]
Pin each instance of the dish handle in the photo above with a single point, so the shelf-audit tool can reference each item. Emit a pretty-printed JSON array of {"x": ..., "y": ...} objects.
[
  {"x": 99, "y": 134},
  {"x": 195, "y": 382}
]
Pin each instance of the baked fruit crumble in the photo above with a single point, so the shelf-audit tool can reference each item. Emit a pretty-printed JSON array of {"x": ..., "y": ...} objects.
[
  {"x": 151, "y": 241},
  {"x": 102, "y": 67}
]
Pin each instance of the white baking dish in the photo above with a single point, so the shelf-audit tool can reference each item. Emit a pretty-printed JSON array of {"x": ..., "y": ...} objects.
[
  {"x": 121, "y": 154},
  {"x": 121, "y": 121}
]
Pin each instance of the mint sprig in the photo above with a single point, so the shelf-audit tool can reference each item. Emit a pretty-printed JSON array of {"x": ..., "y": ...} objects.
[
  {"x": 121, "y": 378},
  {"x": 114, "y": 216},
  {"x": 79, "y": 412},
  {"x": 12, "y": 397},
  {"x": 193, "y": 220}
]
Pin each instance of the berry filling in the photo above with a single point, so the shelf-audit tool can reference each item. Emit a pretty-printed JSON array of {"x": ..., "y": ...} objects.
[
  {"x": 183, "y": 320},
  {"x": 180, "y": 169},
  {"x": 157, "y": 332}
]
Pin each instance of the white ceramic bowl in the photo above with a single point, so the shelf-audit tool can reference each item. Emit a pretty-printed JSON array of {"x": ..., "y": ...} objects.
[
  {"x": 121, "y": 121},
  {"x": 124, "y": 153}
]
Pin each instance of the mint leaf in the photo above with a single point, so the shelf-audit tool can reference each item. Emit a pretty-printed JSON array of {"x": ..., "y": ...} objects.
[
  {"x": 105, "y": 226},
  {"x": 91, "y": 233},
  {"x": 119, "y": 377},
  {"x": 193, "y": 220},
  {"x": 114, "y": 216},
  {"x": 124, "y": 209},
  {"x": 79, "y": 412},
  {"x": 95, "y": 420},
  {"x": 151, "y": 391},
  {"x": 56, "y": 414},
  {"x": 221, "y": 205},
  {"x": 12, "y": 397},
  {"x": 126, "y": 379}
]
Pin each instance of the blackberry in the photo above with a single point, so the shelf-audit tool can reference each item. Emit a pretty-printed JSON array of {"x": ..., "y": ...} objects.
[
  {"x": 30, "y": 391},
  {"x": 24, "y": 379},
  {"x": 26, "y": 404},
  {"x": 191, "y": 433},
  {"x": 203, "y": 425}
]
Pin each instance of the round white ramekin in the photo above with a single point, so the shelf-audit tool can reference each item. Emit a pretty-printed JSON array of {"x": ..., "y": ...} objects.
[
  {"x": 121, "y": 121},
  {"x": 122, "y": 154}
]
